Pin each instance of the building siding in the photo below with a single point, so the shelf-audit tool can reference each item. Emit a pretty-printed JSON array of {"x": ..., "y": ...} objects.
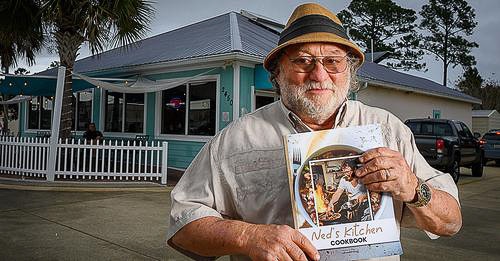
[
  {"x": 480, "y": 125},
  {"x": 494, "y": 121},
  {"x": 246, "y": 83},
  {"x": 181, "y": 153},
  {"x": 484, "y": 124},
  {"x": 226, "y": 96},
  {"x": 262, "y": 78},
  {"x": 150, "y": 114},
  {"x": 407, "y": 105}
]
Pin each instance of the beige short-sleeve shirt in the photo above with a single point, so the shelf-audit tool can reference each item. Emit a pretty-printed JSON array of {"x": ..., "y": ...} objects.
[{"x": 241, "y": 174}]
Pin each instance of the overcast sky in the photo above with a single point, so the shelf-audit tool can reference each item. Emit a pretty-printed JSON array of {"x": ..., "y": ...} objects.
[{"x": 174, "y": 14}]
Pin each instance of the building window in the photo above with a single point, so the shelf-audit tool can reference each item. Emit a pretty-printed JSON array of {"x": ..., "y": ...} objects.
[
  {"x": 189, "y": 109},
  {"x": 40, "y": 113},
  {"x": 263, "y": 98},
  {"x": 124, "y": 112},
  {"x": 82, "y": 109}
]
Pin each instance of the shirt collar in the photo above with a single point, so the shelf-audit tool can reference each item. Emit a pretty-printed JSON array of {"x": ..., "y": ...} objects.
[{"x": 299, "y": 126}]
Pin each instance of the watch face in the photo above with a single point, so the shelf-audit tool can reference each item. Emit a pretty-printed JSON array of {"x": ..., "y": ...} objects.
[{"x": 425, "y": 191}]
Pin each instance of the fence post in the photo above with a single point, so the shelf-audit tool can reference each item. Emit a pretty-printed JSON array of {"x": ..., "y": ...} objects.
[
  {"x": 164, "y": 159},
  {"x": 54, "y": 137}
]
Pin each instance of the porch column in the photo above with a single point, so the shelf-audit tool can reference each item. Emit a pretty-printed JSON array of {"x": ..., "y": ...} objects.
[
  {"x": 236, "y": 90},
  {"x": 56, "y": 120}
]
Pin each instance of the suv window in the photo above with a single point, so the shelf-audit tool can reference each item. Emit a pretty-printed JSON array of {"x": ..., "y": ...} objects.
[
  {"x": 466, "y": 131},
  {"x": 460, "y": 130},
  {"x": 414, "y": 127},
  {"x": 427, "y": 128},
  {"x": 442, "y": 129},
  {"x": 431, "y": 128}
]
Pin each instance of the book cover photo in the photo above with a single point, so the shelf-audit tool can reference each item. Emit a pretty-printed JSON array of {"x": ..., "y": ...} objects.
[{"x": 330, "y": 206}]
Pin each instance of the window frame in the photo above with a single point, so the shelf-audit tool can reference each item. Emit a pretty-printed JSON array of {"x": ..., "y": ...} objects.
[
  {"x": 263, "y": 93},
  {"x": 466, "y": 130},
  {"x": 76, "y": 109},
  {"x": 115, "y": 134},
  {"x": 26, "y": 116},
  {"x": 187, "y": 137}
]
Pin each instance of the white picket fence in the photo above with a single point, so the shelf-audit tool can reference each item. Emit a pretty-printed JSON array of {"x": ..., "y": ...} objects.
[{"x": 80, "y": 160}]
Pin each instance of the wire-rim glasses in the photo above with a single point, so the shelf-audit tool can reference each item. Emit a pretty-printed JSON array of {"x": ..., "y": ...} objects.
[{"x": 331, "y": 63}]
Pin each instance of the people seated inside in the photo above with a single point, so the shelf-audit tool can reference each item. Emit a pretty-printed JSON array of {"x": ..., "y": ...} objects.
[{"x": 91, "y": 134}]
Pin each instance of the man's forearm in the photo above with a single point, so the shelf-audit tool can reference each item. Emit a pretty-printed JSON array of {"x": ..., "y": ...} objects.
[
  {"x": 441, "y": 216},
  {"x": 212, "y": 236}
]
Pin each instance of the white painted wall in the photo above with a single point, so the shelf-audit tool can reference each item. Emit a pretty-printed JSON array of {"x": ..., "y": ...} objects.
[
  {"x": 480, "y": 124},
  {"x": 484, "y": 124},
  {"x": 406, "y": 105}
]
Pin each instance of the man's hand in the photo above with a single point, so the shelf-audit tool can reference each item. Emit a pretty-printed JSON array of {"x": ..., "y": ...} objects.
[
  {"x": 277, "y": 242},
  {"x": 385, "y": 170}
]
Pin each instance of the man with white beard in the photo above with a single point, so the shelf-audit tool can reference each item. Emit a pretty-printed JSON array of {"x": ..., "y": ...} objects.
[{"x": 234, "y": 198}]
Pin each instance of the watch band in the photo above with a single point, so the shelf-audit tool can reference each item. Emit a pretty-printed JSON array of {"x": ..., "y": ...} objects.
[{"x": 422, "y": 193}]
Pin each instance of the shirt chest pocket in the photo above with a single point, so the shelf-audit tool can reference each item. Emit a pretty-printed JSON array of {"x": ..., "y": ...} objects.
[{"x": 259, "y": 182}]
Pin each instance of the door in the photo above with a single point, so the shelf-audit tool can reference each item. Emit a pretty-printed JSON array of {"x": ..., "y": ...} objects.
[{"x": 468, "y": 143}]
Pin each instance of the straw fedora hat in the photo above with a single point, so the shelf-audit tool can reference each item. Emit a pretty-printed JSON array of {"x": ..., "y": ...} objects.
[{"x": 312, "y": 23}]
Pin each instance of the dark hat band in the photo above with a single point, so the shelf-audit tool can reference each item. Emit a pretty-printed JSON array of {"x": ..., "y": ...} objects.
[{"x": 312, "y": 24}]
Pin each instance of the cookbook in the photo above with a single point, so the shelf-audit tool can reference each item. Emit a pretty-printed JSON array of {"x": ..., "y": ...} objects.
[{"x": 330, "y": 206}]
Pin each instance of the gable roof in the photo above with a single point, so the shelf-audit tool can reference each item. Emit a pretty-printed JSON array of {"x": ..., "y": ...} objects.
[
  {"x": 482, "y": 113},
  {"x": 233, "y": 33}
]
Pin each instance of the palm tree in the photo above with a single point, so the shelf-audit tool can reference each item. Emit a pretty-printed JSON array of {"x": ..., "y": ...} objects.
[
  {"x": 21, "y": 35},
  {"x": 97, "y": 23}
]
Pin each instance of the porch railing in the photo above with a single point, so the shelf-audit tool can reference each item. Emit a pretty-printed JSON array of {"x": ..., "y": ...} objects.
[{"x": 81, "y": 160}]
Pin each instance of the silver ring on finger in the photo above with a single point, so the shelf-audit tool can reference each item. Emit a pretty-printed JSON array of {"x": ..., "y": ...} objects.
[{"x": 387, "y": 174}]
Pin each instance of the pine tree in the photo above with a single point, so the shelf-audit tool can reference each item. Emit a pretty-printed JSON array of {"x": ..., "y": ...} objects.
[
  {"x": 447, "y": 22},
  {"x": 391, "y": 27}
]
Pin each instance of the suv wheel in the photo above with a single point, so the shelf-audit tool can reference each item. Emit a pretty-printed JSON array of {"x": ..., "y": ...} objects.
[
  {"x": 454, "y": 170},
  {"x": 477, "y": 168}
]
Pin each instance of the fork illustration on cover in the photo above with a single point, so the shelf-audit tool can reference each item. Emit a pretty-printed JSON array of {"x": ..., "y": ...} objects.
[{"x": 296, "y": 160}]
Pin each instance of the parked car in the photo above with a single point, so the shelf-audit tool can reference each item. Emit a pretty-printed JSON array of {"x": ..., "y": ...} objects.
[
  {"x": 491, "y": 144},
  {"x": 448, "y": 145}
]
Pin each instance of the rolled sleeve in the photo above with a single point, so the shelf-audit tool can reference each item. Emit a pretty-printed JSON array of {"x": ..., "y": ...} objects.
[{"x": 193, "y": 196}]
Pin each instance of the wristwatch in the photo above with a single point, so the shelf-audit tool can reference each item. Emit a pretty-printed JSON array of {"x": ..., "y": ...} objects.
[{"x": 422, "y": 195}]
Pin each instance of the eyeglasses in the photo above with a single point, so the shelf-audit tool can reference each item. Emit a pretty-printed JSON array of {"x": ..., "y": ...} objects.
[{"x": 332, "y": 64}]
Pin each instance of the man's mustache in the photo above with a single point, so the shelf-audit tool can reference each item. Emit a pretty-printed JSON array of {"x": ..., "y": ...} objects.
[{"x": 319, "y": 86}]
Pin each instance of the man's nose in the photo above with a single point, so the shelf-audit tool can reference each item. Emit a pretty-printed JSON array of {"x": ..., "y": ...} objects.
[{"x": 319, "y": 73}]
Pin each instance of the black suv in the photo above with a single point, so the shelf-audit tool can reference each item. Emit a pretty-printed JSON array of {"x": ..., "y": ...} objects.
[{"x": 448, "y": 145}]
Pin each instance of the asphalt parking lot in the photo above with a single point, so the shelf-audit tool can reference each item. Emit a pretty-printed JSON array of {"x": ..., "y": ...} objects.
[{"x": 130, "y": 224}]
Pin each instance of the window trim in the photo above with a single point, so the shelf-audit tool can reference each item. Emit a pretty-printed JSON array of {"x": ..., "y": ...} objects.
[
  {"x": 102, "y": 120},
  {"x": 187, "y": 137},
  {"x": 76, "y": 110},
  {"x": 26, "y": 125},
  {"x": 26, "y": 104},
  {"x": 264, "y": 93}
]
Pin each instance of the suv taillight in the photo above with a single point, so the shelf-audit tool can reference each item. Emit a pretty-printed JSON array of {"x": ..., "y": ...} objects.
[
  {"x": 482, "y": 142},
  {"x": 439, "y": 146}
]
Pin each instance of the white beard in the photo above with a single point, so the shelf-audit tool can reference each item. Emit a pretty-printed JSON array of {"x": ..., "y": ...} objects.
[{"x": 294, "y": 97}]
